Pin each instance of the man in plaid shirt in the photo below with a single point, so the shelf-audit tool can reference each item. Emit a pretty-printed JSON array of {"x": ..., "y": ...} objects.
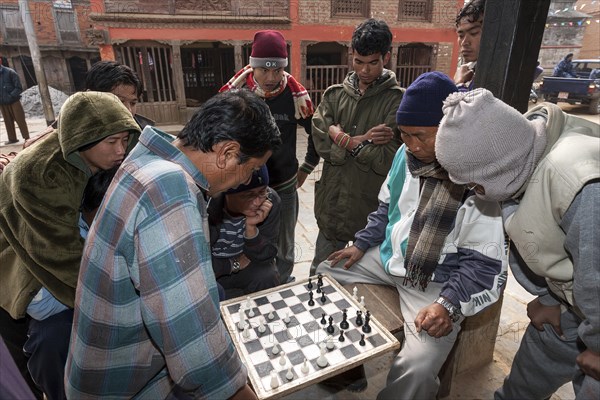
[{"x": 147, "y": 321}]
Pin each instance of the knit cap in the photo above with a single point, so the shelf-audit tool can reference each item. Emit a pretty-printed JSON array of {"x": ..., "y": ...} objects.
[
  {"x": 485, "y": 141},
  {"x": 421, "y": 104},
  {"x": 259, "y": 178},
  {"x": 269, "y": 50}
]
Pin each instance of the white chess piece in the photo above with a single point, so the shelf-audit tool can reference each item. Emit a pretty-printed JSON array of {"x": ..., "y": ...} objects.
[
  {"x": 355, "y": 293},
  {"x": 261, "y": 326},
  {"x": 271, "y": 315},
  {"x": 282, "y": 360},
  {"x": 248, "y": 302},
  {"x": 290, "y": 336},
  {"x": 246, "y": 331},
  {"x": 287, "y": 317},
  {"x": 251, "y": 313},
  {"x": 322, "y": 360},
  {"x": 242, "y": 318},
  {"x": 290, "y": 375},
  {"x": 330, "y": 343},
  {"x": 275, "y": 349},
  {"x": 304, "y": 367},
  {"x": 274, "y": 380},
  {"x": 362, "y": 301}
]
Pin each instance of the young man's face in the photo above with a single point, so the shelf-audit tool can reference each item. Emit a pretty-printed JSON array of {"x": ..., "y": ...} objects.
[
  {"x": 128, "y": 96},
  {"x": 268, "y": 79},
  {"x": 420, "y": 140},
  {"x": 469, "y": 37},
  {"x": 369, "y": 68},
  {"x": 107, "y": 153},
  {"x": 234, "y": 174},
  {"x": 247, "y": 202}
]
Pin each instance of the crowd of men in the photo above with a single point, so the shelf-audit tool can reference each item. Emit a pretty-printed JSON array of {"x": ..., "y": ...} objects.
[{"x": 118, "y": 240}]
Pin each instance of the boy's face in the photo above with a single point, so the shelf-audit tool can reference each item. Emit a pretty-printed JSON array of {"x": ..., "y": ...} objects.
[
  {"x": 108, "y": 153},
  {"x": 128, "y": 96},
  {"x": 369, "y": 68},
  {"x": 248, "y": 201},
  {"x": 268, "y": 79},
  {"x": 469, "y": 37}
]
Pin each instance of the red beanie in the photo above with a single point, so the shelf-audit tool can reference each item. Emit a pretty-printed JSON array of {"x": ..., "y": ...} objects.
[{"x": 269, "y": 50}]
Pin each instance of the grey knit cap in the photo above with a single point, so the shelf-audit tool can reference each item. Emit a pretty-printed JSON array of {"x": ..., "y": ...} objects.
[{"x": 485, "y": 141}]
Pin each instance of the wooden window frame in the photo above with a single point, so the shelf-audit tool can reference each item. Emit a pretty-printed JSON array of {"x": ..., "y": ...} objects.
[
  {"x": 427, "y": 17},
  {"x": 364, "y": 12}
]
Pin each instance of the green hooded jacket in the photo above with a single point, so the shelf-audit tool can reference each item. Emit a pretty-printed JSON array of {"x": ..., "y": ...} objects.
[
  {"x": 40, "y": 195},
  {"x": 348, "y": 188}
]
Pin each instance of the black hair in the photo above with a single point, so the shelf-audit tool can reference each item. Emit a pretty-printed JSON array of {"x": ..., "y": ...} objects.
[
  {"x": 104, "y": 76},
  {"x": 237, "y": 115},
  {"x": 473, "y": 11},
  {"x": 96, "y": 189},
  {"x": 372, "y": 36}
]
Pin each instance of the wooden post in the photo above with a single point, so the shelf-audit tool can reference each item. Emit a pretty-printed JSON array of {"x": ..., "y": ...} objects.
[
  {"x": 510, "y": 44},
  {"x": 178, "y": 81}
]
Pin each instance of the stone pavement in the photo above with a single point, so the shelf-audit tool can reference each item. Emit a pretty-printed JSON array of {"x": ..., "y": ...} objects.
[{"x": 478, "y": 384}]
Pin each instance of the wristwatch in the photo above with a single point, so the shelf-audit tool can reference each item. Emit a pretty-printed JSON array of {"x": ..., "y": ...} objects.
[
  {"x": 354, "y": 152},
  {"x": 235, "y": 266},
  {"x": 453, "y": 311}
]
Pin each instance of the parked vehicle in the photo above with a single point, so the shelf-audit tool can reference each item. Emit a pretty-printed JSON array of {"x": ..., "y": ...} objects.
[{"x": 585, "y": 89}]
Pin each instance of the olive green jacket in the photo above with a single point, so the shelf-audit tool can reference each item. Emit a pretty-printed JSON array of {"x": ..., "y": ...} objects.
[
  {"x": 40, "y": 196},
  {"x": 348, "y": 188}
]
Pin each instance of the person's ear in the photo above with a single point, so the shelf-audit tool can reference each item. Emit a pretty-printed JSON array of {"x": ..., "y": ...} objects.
[
  {"x": 228, "y": 153},
  {"x": 386, "y": 58}
]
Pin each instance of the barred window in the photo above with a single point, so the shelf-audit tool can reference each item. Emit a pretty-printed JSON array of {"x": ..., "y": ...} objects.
[
  {"x": 12, "y": 25},
  {"x": 415, "y": 10},
  {"x": 66, "y": 25},
  {"x": 350, "y": 8}
]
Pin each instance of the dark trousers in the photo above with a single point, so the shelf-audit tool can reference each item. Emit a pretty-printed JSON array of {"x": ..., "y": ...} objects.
[
  {"x": 14, "y": 334},
  {"x": 14, "y": 113},
  {"x": 255, "y": 277},
  {"x": 47, "y": 348}
]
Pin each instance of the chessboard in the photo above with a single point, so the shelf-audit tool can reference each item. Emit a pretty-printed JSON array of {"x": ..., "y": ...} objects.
[{"x": 298, "y": 334}]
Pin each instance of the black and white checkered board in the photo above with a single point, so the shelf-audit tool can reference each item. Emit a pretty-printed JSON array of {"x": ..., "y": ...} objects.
[{"x": 301, "y": 336}]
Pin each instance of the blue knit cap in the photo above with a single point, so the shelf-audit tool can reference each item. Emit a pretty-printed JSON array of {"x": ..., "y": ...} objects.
[
  {"x": 259, "y": 178},
  {"x": 421, "y": 104}
]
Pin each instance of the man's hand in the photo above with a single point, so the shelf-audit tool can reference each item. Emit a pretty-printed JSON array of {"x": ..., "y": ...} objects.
[
  {"x": 301, "y": 176},
  {"x": 244, "y": 261},
  {"x": 380, "y": 134},
  {"x": 434, "y": 319},
  {"x": 589, "y": 363},
  {"x": 540, "y": 314},
  {"x": 464, "y": 74},
  {"x": 256, "y": 217},
  {"x": 334, "y": 131},
  {"x": 352, "y": 253}
]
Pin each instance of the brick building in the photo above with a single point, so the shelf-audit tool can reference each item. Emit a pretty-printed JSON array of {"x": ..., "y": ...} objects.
[{"x": 184, "y": 50}]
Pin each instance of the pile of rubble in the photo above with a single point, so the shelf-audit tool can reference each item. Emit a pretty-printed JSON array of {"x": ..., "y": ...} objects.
[{"x": 32, "y": 101}]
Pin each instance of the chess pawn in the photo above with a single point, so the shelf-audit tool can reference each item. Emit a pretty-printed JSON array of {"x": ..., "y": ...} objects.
[
  {"x": 304, "y": 368},
  {"x": 355, "y": 293},
  {"x": 282, "y": 360},
  {"x": 274, "y": 380},
  {"x": 251, "y": 313},
  {"x": 261, "y": 327},
  {"x": 330, "y": 344},
  {"x": 287, "y": 319},
  {"x": 362, "y": 301},
  {"x": 275, "y": 349},
  {"x": 271, "y": 315},
  {"x": 290, "y": 375}
]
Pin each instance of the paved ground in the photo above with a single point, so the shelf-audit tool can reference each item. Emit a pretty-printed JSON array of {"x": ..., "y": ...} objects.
[{"x": 478, "y": 384}]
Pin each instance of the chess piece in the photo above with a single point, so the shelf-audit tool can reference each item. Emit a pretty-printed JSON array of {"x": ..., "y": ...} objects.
[
  {"x": 282, "y": 360},
  {"x": 341, "y": 338},
  {"x": 355, "y": 293},
  {"x": 344, "y": 324},
  {"x": 304, "y": 368},
  {"x": 329, "y": 342},
  {"x": 310, "y": 285},
  {"x": 287, "y": 319},
  {"x": 242, "y": 318},
  {"x": 330, "y": 328},
  {"x": 320, "y": 280},
  {"x": 362, "y": 340},
  {"x": 290, "y": 336},
  {"x": 323, "y": 320},
  {"x": 261, "y": 326},
  {"x": 290, "y": 375},
  {"x": 323, "y": 298},
  {"x": 311, "y": 302},
  {"x": 251, "y": 313},
  {"x": 322, "y": 360},
  {"x": 271, "y": 315},
  {"x": 367, "y": 327},
  {"x": 362, "y": 301},
  {"x": 274, "y": 380},
  {"x": 359, "y": 320},
  {"x": 319, "y": 289},
  {"x": 246, "y": 331},
  {"x": 275, "y": 349},
  {"x": 248, "y": 302}
]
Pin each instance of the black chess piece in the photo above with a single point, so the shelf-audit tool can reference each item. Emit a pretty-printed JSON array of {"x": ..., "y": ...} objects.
[
  {"x": 323, "y": 298},
  {"x": 318, "y": 289},
  {"x": 330, "y": 328},
  {"x": 344, "y": 324},
  {"x": 341, "y": 338},
  {"x": 319, "y": 280},
  {"x": 359, "y": 320},
  {"x": 310, "y": 285},
  {"x": 367, "y": 327},
  {"x": 362, "y": 340},
  {"x": 323, "y": 321},
  {"x": 311, "y": 302}
]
